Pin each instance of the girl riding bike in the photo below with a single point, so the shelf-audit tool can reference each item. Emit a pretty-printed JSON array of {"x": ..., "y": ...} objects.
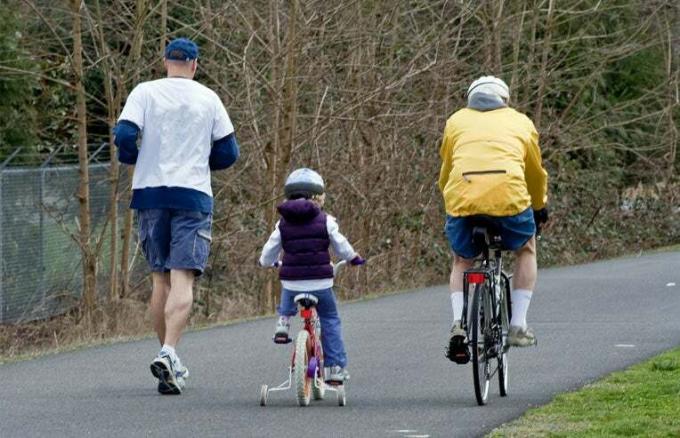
[{"x": 304, "y": 234}]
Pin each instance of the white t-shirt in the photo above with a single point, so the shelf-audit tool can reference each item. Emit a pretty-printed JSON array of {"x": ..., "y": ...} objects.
[{"x": 179, "y": 119}]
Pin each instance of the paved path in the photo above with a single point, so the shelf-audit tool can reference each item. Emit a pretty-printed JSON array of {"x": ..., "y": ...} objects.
[{"x": 589, "y": 320}]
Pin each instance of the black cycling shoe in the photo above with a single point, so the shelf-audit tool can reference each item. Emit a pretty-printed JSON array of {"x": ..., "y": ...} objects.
[{"x": 457, "y": 350}]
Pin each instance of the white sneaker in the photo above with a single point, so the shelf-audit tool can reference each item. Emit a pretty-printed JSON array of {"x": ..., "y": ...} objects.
[
  {"x": 163, "y": 369},
  {"x": 521, "y": 337},
  {"x": 336, "y": 374},
  {"x": 181, "y": 373},
  {"x": 282, "y": 329}
]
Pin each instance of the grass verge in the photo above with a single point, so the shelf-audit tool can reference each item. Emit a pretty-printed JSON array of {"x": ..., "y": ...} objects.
[{"x": 643, "y": 400}]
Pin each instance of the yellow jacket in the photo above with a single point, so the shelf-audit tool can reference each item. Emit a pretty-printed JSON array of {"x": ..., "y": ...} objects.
[{"x": 491, "y": 164}]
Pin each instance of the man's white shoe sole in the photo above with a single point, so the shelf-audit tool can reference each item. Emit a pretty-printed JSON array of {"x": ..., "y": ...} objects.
[{"x": 167, "y": 382}]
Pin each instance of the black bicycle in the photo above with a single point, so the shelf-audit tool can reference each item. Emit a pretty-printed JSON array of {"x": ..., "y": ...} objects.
[{"x": 490, "y": 315}]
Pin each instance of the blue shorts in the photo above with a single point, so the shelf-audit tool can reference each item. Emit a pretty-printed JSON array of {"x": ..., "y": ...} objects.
[
  {"x": 175, "y": 239},
  {"x": 515, "y": 231}
]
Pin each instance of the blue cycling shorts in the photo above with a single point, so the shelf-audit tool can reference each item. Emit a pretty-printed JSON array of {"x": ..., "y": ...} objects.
[{"x": 515, "y": 231}]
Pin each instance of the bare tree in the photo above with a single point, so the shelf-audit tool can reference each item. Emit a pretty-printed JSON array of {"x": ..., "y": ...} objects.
[{"x": 89, "y": 261}]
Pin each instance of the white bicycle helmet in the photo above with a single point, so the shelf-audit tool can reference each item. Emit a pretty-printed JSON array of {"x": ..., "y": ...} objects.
[
  {"x": 303, "y": 183},
  {"x": 489, "y": 85}
]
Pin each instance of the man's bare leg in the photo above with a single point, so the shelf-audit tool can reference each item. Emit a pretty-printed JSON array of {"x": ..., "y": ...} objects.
[
  {"x": 167, "y": 364},
  {"x": 178, "y": 305},
  {"x": 525, "y": 266},
  {"x": 456, "y": 349},
  {"x": 524, "y": 280},
  {"x": 159, "y": 296},
  {"x": 460, "y": 265}
]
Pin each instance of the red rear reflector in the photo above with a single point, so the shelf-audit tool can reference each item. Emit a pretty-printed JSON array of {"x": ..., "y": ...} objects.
[
  {"x": 475, "y": 278},
  {"x": 306, "y": 313}
]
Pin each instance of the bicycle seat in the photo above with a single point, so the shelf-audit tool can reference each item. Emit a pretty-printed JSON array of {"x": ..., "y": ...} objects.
[
  {"x": 306, "y": 300},
  {"x": 485, "y": 232}
]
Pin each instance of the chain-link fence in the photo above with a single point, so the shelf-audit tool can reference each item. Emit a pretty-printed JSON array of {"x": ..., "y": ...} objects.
[{"x": 41, "y": 270}]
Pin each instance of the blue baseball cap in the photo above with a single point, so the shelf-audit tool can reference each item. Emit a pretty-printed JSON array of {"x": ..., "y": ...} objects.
[{"x": 181, "y": 49}]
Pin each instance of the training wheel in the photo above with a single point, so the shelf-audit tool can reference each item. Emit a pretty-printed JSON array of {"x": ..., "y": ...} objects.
[
  {"x": 342, "y": 398},
  {"x": 264, "y": 392}
]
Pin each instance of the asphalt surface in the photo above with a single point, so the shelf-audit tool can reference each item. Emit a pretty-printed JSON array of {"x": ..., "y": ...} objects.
[{"x": 589, "y": 320}]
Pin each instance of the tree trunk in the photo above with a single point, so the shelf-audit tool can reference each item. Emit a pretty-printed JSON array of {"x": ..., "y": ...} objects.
[
  {"x": 542, "y": 79},
  {"x": 672, "y": 72},
  {"x": 89, "y": 264},
  {"x": 112, "y": 108},
  {"x": 135, "y": 55}
]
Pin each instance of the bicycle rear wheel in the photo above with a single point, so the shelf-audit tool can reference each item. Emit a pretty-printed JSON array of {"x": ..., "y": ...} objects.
[
  {"x": 478, "y": 328},
  {"x": 319, "y": 391},
  {"x": 303, "y": 384},
  {"x": 505, "y": 325}
]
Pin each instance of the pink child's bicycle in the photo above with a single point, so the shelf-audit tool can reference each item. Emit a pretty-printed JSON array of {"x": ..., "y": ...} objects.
[{"x": 306, "y": 370}]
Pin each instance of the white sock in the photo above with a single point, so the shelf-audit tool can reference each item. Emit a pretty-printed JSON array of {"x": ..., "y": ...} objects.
[
  {"x": 520, "y": 304},
  {"x": 457, "y": 305}
]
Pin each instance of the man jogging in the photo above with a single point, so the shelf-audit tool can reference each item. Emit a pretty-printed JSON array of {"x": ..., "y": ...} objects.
[{"x": 185, "y": 133}]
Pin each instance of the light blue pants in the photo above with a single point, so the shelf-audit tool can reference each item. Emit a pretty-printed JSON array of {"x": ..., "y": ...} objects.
[{"x": 331, "y": 327}]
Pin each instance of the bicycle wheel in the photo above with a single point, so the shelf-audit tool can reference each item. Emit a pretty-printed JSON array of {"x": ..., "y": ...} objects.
[
  {"x": 478, "y": 329},
  {"x": 303, "y": 384},
  {"x": 505, "y": 324},
  {"x": 319, "y": 392},
  {"x": 264, "y": 395}
]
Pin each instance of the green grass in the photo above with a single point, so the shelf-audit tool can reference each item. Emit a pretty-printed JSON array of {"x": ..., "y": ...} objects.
[{"x": 643, "y": 400}]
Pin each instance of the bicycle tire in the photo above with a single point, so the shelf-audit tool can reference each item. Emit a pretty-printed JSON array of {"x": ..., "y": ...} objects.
[
  {"x": 264, "y": 394},
  {"x": 320, "y": 392},
  {"x": 303, "y": 384},
  {"x": 505, "y": 325},
  {"x": 342, "y": 396},
  {"x": 480, "y": 364}
]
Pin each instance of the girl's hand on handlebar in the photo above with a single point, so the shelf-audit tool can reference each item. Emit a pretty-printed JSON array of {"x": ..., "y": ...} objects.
[{"x": 357, "y": 261}]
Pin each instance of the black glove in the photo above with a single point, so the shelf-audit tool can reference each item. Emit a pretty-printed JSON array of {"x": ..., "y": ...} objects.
[{"x": 541, "y": 216}]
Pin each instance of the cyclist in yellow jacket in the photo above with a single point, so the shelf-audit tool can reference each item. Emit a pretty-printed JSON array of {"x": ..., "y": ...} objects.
[{"x": 491, "y": 166}]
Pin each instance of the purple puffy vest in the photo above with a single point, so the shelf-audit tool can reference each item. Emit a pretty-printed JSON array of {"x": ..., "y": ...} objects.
[{"x": 305, "y": 241}]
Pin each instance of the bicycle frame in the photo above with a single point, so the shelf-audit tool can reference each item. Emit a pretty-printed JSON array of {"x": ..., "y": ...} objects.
[
  {"x": 491, "y": 271},
  {"x": 312, "y": 325},
  {"x": 314, "y": 355},
  {"x": 487, "y": 329}
]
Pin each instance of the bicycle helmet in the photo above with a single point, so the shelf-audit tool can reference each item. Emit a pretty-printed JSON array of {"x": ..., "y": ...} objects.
[
  {"x": 489, "y": 85},
  {"x": 303, "y": 183}
]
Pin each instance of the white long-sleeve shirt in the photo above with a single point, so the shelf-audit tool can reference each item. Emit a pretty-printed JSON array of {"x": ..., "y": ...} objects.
[{"x": 341, "y": 247}]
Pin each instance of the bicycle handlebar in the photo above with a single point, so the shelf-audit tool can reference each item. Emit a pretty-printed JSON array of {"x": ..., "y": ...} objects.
[{"x": 338, "y": 266}]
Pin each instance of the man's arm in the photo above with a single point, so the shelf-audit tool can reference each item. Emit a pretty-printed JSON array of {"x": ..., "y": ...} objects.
[
  {"x": 225, "y": 148},
  {"x": 125, "y": 137},
  {"x": 130, "y": 124},
  {"x": 224, "y": 152},
  {"x": 534, "y": 173}
]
